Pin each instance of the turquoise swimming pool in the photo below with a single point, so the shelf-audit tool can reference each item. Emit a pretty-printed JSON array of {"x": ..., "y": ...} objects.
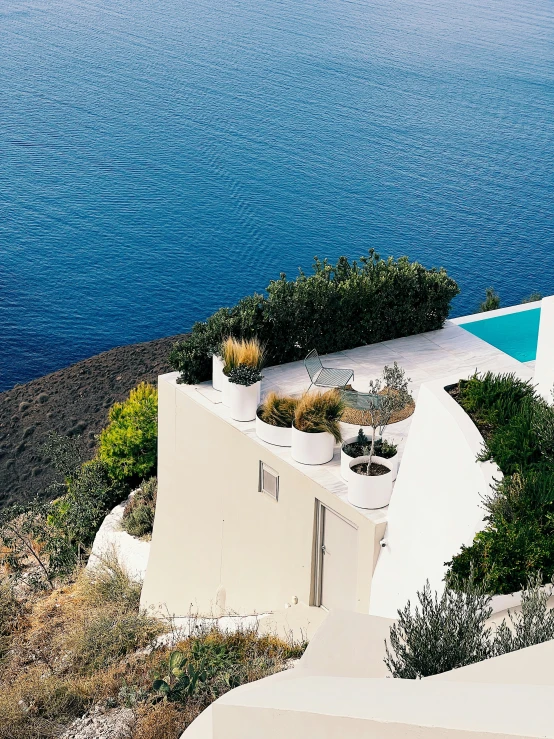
[{"x": 515, "y": 334}]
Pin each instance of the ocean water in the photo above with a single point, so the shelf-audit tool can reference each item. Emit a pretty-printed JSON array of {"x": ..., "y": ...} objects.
[{"x": 160, "y": 158}]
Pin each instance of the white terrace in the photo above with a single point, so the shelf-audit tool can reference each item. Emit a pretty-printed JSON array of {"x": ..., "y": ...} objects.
[{"x": 447, "y": 353}]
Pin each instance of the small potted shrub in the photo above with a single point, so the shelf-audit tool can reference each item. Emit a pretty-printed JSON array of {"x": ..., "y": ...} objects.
[
  {"x": 355, "y": 446},
  {"x": 316, "y": 427},
  {"x": 235, "y": 352},
  {"x": 369, "y": 476},
  {"x": 245, "y": 384},
  {"x": 274, "y": 419}
]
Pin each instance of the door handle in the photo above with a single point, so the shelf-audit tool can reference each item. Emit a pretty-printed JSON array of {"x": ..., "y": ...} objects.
[{"x": 323, "y": 548}]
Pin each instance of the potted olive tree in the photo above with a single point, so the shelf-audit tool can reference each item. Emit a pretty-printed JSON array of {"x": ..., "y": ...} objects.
[
  {"x": 316, "y": 427},
  {"x": 274, "y": 419},
  {"x": 236, "y": 352},
  {"x": 245, "y": 384},
  {"x": 370, "y": 476},
  {"x": 355, "y": 446}
]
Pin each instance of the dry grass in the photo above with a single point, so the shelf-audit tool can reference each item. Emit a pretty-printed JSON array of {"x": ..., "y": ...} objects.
[
  {"x": 83, "y": 644},
  {"x": 320, "y": 412},
  {"x": 278, "y": 410},
  {"x": 242, "y": 351}
]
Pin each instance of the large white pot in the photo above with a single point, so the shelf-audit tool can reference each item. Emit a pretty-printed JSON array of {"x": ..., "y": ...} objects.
[
  {"x": 225, "y": 398},
  {"x": 217, "y": 372},
  {"x": 366, "y": 491},
  {"x": 312, "y": 448},
  {"x": 278, "y": 435},
  {"x": 345, "y": 460},
  {"x": 244, "y": 401}
]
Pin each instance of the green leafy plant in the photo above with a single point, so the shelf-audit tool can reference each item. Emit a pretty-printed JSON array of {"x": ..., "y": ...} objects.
[
  {"x": 245, "y": 375},
  {"x": 532, "y": 298},
  {"x": 491, "y": 302},
  {"x": 355, "y": 303},
  {"x": 320, "y": 413},
  {"x": 128, "y": 444},
  {"x": 440, "y": 634},
  {"x": 383, "y": 448},
  {"x": 450, "y": 630},
  {"x": 517, "y": 540},
  {"x": 278, "y": 410},
  {"x": 138, "y": 516}
]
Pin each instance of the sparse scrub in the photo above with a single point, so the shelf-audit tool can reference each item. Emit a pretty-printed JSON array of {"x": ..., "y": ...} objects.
[
  {"x": 102, "y": 638},
  {"x": 109, "y": 583},
  {"x": 138, "y": 517}
]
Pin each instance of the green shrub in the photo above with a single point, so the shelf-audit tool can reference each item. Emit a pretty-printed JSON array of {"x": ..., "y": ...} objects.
[
  {"x": 518, "y": 539},
  {"x": 494, "y": 399},
  {"x": 535, "y": 296},
  {"x": 128, "y": 444},
  {"x": 518, "y": 426},
  {"x": 138, "y": 517},
  {"x": 449, "y": 631},
  {"x": 336, "y": 308},
  {"x": 441, "y": 634},
  {"x": 91, "y": 494},
  {"x": 491, "y": 302}
]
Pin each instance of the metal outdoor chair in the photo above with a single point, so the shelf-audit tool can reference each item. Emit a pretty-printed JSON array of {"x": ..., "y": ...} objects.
[{"x": 326, "y": 376}]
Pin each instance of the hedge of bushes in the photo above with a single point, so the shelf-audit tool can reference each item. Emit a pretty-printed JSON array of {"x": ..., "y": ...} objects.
[
  {"x": 518, "y": 540},
  {"x": 337, "y": 307}
]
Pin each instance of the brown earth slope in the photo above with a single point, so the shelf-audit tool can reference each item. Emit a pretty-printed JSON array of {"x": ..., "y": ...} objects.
[{"x": 73, "y": 401}]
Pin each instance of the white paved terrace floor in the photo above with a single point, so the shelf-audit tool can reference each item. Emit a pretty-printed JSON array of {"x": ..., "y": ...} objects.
[{"x": 449, "y": 353}]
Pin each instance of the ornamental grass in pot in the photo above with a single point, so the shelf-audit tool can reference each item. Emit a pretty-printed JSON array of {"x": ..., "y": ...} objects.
[
  {"x": 316, "y": 427},
  {"x": 236, "y": 352},
  {"x": 274, "y": 419},
  {"x": 245, "y": 384}
]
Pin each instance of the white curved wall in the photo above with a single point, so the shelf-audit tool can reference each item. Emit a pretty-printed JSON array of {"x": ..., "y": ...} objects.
[
  {"x": 436, "y": 503},
  {"x": 544, "y": 365}
]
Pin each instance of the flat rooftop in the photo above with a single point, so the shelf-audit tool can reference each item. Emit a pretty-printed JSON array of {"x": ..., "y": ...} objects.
[{"x": 450, "y": 351}]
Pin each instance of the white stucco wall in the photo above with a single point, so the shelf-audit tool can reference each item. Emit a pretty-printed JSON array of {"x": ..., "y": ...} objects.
[
  {"x": 436, "y": 504},
  {"x": 544, "y": 365},
  {"x": 132, "y": 553}
]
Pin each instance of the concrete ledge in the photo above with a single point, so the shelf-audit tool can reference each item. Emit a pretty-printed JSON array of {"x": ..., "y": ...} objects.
[{"x": 382, "y": 709}]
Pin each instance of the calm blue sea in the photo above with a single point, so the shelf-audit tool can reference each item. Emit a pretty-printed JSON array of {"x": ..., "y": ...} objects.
[{"x": 160, "y": 158}]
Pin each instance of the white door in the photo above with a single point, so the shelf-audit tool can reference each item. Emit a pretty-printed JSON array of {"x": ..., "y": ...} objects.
[{"x": 339, "y": 561}]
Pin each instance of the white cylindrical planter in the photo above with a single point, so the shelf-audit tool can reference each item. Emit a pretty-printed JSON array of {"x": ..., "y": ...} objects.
[
  {"x": 225, "y": 390},
  {"x": 244, "y": 400},
  {"x": 312, "y": 448},
  {"x": 366, "y": 491},
  {"x": 345, "y": 461},
  {"x": 278, "y": 435},
  {"x": 217, "y": 373}
]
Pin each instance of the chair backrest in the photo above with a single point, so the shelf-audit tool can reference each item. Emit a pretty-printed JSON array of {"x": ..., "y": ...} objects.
[{"x": 313, "y": 364}]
